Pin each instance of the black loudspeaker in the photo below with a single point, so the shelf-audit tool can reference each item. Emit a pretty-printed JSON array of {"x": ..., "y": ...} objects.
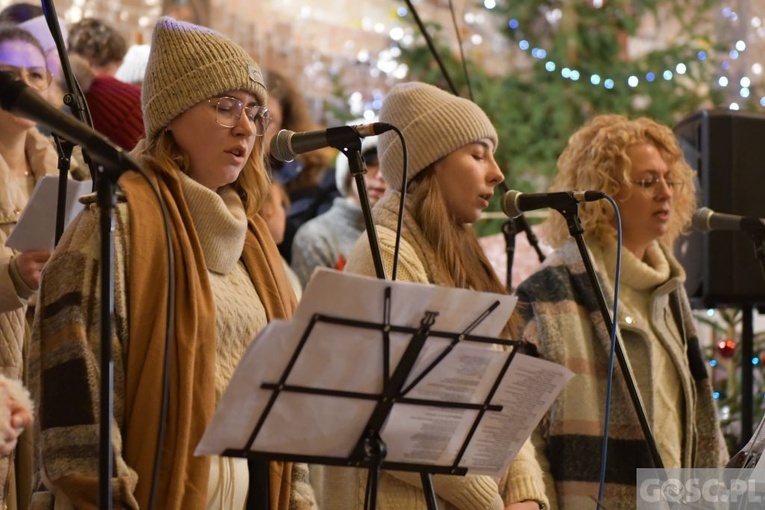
[{"x": 727, "y": 149}]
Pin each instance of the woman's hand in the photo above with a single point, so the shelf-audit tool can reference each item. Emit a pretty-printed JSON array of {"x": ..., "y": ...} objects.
[
  {"x": 523, "y": 505},
  {"x": 30, "y": 265},
  {"x": 15, "y": 414}
]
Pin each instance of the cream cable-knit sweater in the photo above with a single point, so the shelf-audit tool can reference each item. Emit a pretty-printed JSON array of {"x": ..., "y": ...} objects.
[
  {"x": 665, "y": 392},
  {"x": 221, "y": 224}
]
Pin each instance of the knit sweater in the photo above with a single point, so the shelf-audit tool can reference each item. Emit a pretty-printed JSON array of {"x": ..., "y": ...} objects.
[
  {"x": 239, "y": 314},
  {"x": 344, "y": 487},
  {"x": 220, "y": 225},
  {"x": 14, "y": 293},
  {"x": 326, "y": 240},
  {"x": 559, "y": 313}
]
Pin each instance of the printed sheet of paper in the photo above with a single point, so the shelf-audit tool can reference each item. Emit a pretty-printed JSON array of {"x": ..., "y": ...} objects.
[
  {"x": 36, "y": 228},
  {"x": 429, "y": 435},
  {"x": 339, "y": 357}
]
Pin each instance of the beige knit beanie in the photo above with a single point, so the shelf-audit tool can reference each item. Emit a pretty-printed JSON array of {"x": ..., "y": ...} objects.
[
  {"x": 434, "y": 123},
  {"x": 188, "y": 64}
]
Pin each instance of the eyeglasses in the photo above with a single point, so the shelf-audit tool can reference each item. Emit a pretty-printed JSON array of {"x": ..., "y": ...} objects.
[
  {"x": 38, "y": 78},
  {"x": 228, "y": 111},
  {"x": 653, "y": 184}
]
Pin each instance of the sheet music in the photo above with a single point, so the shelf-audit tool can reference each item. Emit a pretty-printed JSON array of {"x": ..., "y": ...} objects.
[
  {"x": 338, "y": 357},
  {"x": 36, "y": 228}
]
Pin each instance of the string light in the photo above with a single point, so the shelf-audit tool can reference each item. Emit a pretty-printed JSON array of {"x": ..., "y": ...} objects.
[
  {"x": 574, "y": 74},
  {"x": 634, "y": 81}
]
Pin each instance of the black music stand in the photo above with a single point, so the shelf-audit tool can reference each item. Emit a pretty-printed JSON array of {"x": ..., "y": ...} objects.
[{"x": 370, "y": 448}]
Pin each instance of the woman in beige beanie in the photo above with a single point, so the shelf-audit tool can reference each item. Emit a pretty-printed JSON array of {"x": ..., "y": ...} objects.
[
  {"x": 452, "y": 176},
  {"x": 204, "y": 113}
]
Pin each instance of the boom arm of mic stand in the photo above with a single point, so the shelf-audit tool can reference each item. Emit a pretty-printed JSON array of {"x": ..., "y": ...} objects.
[{"x": 575, "y": 229}]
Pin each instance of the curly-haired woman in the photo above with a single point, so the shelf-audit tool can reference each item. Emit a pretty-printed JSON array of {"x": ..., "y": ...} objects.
[{"x": 640, "y": 164}]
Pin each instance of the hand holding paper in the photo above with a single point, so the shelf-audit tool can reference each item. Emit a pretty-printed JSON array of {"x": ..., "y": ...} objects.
[
  {"x": 30, "y": 264},
  {"x": 36, "y": 227}
]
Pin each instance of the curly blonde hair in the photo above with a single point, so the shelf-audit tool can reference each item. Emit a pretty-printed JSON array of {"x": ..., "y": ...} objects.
[{"x": 595, "y": 158}]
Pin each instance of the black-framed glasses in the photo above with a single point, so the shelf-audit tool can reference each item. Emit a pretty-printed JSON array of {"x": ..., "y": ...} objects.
[
  {"x": 39, "y": 78},
  {"x": 653, "y": 184},
  {"x": 228, "y": 111}
]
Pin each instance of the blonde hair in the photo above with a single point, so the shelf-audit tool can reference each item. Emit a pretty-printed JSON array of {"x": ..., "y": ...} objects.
[
  {"x": 163, "y": 155},
  {"x": 455, "y": 244},
  {"x": 595, "y": 158}
]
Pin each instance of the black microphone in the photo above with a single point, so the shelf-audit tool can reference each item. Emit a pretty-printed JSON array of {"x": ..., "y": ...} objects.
[
  {"x": 19, "y": 99},
  {"x": 286, "y": 145},
  {"x": 515, "y": 203},
  {"x": 706, "y": 220}
]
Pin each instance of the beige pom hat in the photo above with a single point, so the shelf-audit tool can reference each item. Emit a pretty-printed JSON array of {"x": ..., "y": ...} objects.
[
  {"x": 434, "y": 123},
  {"x": 189, "y": 63}
]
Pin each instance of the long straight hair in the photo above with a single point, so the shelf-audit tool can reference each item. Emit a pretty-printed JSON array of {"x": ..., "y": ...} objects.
[{"x": 456, "y": 244}]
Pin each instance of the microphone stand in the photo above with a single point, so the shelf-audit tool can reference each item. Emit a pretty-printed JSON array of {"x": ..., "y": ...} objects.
[
  {"x": 756, "y": 231},
  {"x": 105, "y": 180},
  {"x": 570, "y": 213},
  {"x": 522, "y": 224},
  {"x": 358, "y": 169},
  {"x": 74, "y": 99},
  {"x": 64, "y": 149},
  {"x": 347, "y": 140},
  {"x": 509, "y": 231},
  {"x": 511, "y": 228}
]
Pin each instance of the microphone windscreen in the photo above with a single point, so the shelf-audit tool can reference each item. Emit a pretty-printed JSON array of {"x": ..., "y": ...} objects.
[
  {"x": 281, "y": 146},
  {"x": 510, "y": 203},
  {"x": 701, "y": 219}
]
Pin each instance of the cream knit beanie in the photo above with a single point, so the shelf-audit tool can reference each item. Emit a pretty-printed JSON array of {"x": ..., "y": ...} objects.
[
  {"x": 434, "y": 123},
  {"x": 188, "y": 64}
]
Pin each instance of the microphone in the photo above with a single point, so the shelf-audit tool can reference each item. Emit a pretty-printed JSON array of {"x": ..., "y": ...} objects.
[
  {"x": 286, "y": 145},
  {"x": 19, "y": 99},
  {"x": 706, "y": 220},
  {"x": 515, "y": 203}
]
